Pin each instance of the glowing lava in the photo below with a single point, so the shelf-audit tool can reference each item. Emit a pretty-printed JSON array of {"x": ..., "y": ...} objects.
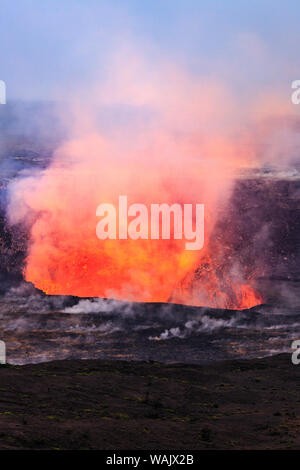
[{"x": 186, "y": 154}]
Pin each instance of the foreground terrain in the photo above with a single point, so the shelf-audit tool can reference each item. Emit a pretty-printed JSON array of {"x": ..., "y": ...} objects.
[{"x": 97, "y": 404}]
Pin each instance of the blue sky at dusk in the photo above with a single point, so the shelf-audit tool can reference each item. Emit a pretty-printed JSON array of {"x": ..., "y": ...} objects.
[{"x": 48, "y": 46}]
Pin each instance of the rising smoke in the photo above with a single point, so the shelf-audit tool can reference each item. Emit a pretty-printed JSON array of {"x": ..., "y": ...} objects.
[{"x": 185, "y": 139}]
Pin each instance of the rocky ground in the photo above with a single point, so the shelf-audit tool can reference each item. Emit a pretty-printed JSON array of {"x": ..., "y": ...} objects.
[{"x": 113, "y": 405}]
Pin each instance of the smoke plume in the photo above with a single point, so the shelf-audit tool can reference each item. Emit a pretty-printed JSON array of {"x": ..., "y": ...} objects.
[{"x": 158, "y": 134}]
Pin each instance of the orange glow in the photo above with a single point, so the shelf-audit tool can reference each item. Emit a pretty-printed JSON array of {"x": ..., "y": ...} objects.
[
  {"x": 67, "y": 258},
  {"x": 136, "y": 270},
  {"x": 186, "y": 155},
  {"x": 248, "y": 297},
  {"x": 213, "y": 285}
]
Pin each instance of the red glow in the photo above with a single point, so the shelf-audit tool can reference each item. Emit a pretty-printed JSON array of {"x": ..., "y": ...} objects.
[{"x": 186, "y": 155}]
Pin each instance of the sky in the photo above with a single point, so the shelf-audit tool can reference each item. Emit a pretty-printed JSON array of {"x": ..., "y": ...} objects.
[
  {"x": 169, "y": 99},
  {"x": 50, "y": 47}
]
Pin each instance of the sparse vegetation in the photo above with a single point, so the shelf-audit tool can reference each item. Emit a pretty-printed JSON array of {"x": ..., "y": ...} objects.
[{"x": 111, "y": 405}]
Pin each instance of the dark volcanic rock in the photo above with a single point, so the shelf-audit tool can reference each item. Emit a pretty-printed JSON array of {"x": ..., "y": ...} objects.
[{"x": 137, "y": 405}]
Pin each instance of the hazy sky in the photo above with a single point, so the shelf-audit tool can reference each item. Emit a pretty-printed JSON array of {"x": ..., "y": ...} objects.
[{"x": 48, "y": 46}]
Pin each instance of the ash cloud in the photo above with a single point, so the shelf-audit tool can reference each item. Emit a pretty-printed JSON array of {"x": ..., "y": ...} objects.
[
  {"x": 135, "y": 121},
  {"x": 194, "y": 132}
]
